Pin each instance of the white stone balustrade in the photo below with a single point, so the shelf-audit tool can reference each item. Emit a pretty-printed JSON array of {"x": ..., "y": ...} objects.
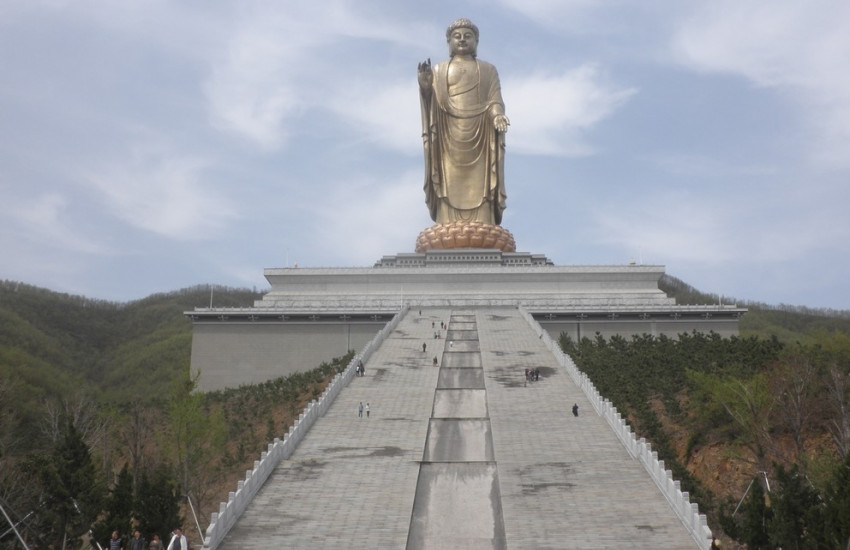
[
  {"x": 230, "y": 511},
  {"x": 679, "y": 500}
]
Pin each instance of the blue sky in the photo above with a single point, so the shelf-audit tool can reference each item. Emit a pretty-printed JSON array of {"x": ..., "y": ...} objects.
[{"x": 147, "y": 146}]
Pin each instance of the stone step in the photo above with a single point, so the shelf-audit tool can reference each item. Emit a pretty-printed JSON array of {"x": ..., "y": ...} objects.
[{"x": 555, "y": 480}]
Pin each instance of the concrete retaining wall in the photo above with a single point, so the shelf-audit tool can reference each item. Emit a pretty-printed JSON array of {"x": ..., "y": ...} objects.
[
  {"x": 639, "y": 449},
  {"x": 281, "y": 449},
  {"x": 232, "y": 354}
]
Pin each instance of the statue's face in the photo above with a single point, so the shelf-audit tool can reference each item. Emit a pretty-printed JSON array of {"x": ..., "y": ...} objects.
[{"x": 462, "y": 42}]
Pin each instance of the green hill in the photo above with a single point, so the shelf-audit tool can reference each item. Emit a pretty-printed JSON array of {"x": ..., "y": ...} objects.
[
  {"x": 54, "y": 345},
  {"x": 788, "y": 324}
]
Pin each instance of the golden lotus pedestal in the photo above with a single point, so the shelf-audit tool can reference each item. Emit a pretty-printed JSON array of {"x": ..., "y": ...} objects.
[{"x": 447, "y": 236}]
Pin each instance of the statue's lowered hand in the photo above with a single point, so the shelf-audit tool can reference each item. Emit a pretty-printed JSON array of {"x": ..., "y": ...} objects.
[{"x": 501, "y": 123}]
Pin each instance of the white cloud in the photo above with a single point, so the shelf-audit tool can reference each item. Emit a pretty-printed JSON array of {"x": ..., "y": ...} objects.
[
  {"x": 551, "y": 113},
  {"x": 578, "y": 16},
  {"x": 44, "y": 220},
  {"x": 684, "y": 231},
  {"x": 708, "y": 228},
  {"x": 797, "y": 48},
  {"x": 388, "y": 115},
  {"x": 364, "y": 219},
  {"x": 163, "y": 194},
  {"x": 694, "y": 165},
  {"x": 255, "y": 85},
  {"x": 575, "y": 102},
  {"x": 276, "y": 67}
]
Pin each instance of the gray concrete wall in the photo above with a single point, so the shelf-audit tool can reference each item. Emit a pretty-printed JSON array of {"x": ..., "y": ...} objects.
[{"x": 232, "y": 354}]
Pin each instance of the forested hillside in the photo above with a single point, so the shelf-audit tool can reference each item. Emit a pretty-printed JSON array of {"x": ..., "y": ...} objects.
[
  {"x": 766, "y": 415},
  {"x": 97, "y": 403},
  {"x": 56, "y": 345},
  {"x": 787, "y": 323}
]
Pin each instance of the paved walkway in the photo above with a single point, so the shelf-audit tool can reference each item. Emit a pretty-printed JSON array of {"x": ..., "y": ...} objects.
[{"x": 565, "y": 482}]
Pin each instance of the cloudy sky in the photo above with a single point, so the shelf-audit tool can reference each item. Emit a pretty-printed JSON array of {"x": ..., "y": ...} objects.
[{"x": 150, "y": 145}]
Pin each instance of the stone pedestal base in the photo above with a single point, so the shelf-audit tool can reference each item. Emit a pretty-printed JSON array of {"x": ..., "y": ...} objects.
[{"x": 446, "y": 236}]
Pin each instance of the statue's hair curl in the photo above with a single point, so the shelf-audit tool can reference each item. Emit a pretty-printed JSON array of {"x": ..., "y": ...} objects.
[{"x": 462, "y": 23}]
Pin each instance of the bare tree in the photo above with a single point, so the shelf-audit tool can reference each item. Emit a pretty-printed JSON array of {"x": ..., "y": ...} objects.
[
  {"x": 14, "y": 488},
  {"x": 750, "y": 404},
  {"x": 136, "y": 434},
  {"x": 795, "y": 386},
  {"x": 83, "y": 414},
  {"x": 198, "y": 436},
  {"x": 838, "y": 394},
  {"x": 9, "y": 418}
]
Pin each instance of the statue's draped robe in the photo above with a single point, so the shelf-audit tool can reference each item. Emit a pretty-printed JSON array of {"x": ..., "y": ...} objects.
[{"x": 464, "y": 154}]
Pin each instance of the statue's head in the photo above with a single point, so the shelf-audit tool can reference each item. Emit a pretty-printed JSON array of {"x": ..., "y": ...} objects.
[{"x": 462, "y": 37}]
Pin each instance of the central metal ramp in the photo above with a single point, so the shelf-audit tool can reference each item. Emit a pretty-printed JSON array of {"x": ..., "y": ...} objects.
[{"x": 457, "y": 503}]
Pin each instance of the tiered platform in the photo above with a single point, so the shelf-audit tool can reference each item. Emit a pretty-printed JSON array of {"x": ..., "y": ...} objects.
[{"x": 314, "y": 314}]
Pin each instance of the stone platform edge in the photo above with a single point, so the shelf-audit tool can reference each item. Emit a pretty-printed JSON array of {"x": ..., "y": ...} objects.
[{"x": 459, "y": 280}]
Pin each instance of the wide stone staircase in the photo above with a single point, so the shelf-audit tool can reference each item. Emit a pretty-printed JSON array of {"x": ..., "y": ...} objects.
[{"x": 466, "y": 454}]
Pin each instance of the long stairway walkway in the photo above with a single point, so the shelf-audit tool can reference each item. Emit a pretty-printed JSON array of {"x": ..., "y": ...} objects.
[{"x": 385, "y": 480}]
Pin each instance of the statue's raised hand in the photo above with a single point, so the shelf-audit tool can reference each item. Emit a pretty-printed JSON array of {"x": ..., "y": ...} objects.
[{"x": 426, "y": 77}]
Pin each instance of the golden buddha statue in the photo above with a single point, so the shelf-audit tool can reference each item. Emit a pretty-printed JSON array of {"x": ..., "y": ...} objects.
[{"x": 463, "y": 132}]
